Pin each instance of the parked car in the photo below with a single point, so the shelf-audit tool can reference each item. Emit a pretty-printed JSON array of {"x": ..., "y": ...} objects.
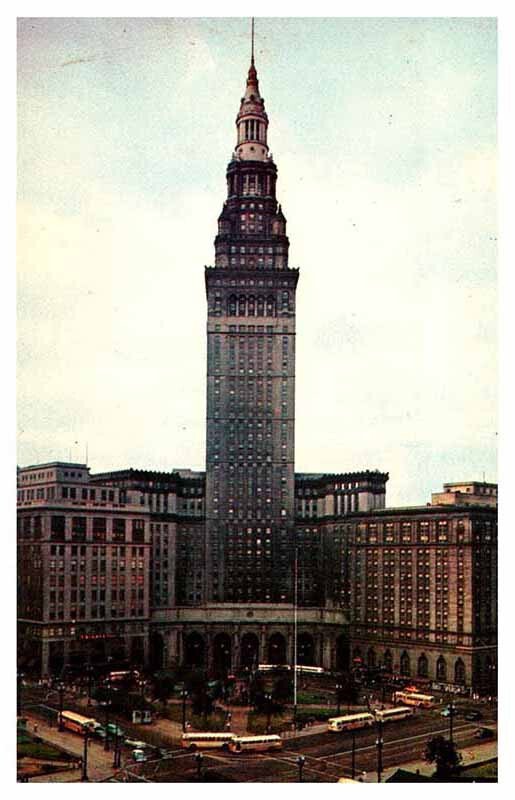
[
  {"x": 484, "y": 733},
  {"x": 473, "y": 715},
  {"x": 448, "y": 711},
  {"x": 139, "y": 755},
  {"x": 135, "y": 744}
]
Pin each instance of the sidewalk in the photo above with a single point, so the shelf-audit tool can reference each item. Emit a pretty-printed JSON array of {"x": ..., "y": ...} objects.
[
  {"x": 472, "y": 754},
  {"x": 100, "y": 763}
]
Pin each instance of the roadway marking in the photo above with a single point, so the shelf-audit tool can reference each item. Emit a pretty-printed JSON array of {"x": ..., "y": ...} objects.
[{"x": 397, "y": 741}]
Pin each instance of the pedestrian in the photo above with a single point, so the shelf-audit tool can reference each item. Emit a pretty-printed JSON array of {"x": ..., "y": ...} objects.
[{"x": 35, "y": 728}]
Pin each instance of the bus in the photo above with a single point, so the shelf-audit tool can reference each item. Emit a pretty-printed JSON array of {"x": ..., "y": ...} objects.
[
  {"x": 76, "y": 722},
  {"x": 414, "y": 699},
  {"x": 310, "y": 670},
  {"x": 199, "y": 740},
  {"x": 391, "y": 714},
  {"x": 350, "y": 722},
  {"x": 256, "y": 743},
  {"x": 273, "y": 667}
]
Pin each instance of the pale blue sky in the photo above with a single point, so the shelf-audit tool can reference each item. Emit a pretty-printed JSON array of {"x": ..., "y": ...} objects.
[{"x": 384, "y": 133}]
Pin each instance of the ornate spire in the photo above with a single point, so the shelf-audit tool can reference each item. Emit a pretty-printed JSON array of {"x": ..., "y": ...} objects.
[{"x": 252, "y": 121}]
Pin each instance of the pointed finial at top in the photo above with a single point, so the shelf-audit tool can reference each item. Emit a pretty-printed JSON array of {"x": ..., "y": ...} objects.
[{"x": 252, "y": 48}]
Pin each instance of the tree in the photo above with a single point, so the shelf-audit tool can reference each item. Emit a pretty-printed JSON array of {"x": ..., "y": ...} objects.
[
  {"x": 163, "y": 687},
  {"x": 443, "y": 753},
  {"x": 201, "y": 698}
]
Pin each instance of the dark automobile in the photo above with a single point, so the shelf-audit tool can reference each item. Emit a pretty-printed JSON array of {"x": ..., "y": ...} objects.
[
  {"x": 484, "y": 733},
  {"x": 473, "y": 715}
]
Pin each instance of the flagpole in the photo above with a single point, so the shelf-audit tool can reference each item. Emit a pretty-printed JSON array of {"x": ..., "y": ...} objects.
[{"x": 295, "y": 621}]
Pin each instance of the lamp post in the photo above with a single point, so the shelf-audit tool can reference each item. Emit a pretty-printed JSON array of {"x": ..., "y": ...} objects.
[
  {"x": 198, "y": 758},
  {"x": 379, "y": 746},
  {"x": 89, "y": 670},
  {"x": 108, "y": 706},
  {"x": 339, "y": 689},
  {"x": 84, "y": 776},
  {"x": 184, "y": 695},
  {"x": 19, "y": 682},
  {"x": 353, "y": 756},
  {"x": 451, "y": 708},
  {"x": 268, "y": 699},
  {"x": 60, "y": 689},
  {"x": 300, "y": 764},
  {"x": 117, "y": 751}
]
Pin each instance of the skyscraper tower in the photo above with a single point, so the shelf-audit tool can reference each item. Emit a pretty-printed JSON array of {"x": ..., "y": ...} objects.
[{"x": 250, "y": 378}]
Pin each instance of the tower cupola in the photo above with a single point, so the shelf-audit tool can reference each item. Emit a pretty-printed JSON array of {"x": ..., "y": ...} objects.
[{"x": 252, "y": 121}]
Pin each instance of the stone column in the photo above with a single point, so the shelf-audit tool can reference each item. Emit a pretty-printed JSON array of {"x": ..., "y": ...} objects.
[
  {"x": 235, "y": 648},
  {"x": 262, "y": 645},
  {"x": 328, "y": 652},
  {"x": 45, "y": 654}
]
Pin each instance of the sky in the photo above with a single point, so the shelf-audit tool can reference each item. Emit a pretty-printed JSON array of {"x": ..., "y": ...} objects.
[{"x": 384, "y": 134}]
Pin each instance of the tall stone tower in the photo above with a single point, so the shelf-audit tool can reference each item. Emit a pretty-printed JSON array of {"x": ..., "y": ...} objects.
[{"x": 250, "y": 378}]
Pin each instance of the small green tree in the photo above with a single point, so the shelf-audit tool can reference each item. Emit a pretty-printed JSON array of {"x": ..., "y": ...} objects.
[{"x": 442, "y": 752}]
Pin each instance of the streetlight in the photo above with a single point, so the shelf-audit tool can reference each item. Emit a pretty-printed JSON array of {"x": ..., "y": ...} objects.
[
  {"x": 379, "y": 745},
  {"x": 117, "y": 751},
  {"x": 84, "y": 776},
  {"x": 353, "y": 761},
  {"x": 184, "y": 695},
  {"x": 60, "y": 689},
  {"x": 198, "y": 758},
  {"x": 451, "y": 707},
  {"x": 89, "y": 670},
  {"x": 19, "y": 681},
  {"x": 339, "y": 689},
  {"x": 268, "y": 699},
  {"x": 108, "y": 706},
  {"x": 300, "y": 764}
]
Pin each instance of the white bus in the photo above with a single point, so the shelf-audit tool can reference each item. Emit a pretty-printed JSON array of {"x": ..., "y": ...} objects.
[
  {"x": 350, "y": 722},
  {"x": 310, "y": 670},
  {"x": 201, "y": 741},
  {"x": 391, "y": 714},
  {"x": 76, "y": 722},
  {"x": 259, "y": 743},
  {"x": 414, "y": 699},
  {"x": 273, "y": 667}
]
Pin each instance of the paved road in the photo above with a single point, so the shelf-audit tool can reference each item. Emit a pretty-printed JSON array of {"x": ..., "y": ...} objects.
[
  {"x": 328, "y": 755},
  {"x": 100, "y": 763}
]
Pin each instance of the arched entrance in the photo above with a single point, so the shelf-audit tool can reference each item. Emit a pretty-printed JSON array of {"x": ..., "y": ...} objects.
[
  {"x": 342, "y": 654},
  {"x": 441, "y": 669},
  {"x": 423, "y": 666},
  {"x": 194, "y": 650},
  {"x": 277, "y": 649},
  {"x": 371, "y": 657},
  {"x": 222, "y": 653},
  {"x": 249, "y": 650},
  {"x": 405, "y": 664},
  {"x": 459, "y": 672},
  {"x": 306, "y": 650},
  {"x": 157, "y": 648}
]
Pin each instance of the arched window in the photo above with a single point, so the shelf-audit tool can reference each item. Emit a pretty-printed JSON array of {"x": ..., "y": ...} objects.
[
  {"x": 270, "y": 306},
  {"x": 459, "y": 672},
  {"x": 231, "y": 306},
  {"x": 441, "y": 669},
  {"x": 260, "y": 306},
  {"x": 242, "y": 304},
  {"x": 388, "y": 661},
  {"x": 422, "y": 666},
  {"x": 405, "y": 664},
  {"x": 371, "y": 657}
]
